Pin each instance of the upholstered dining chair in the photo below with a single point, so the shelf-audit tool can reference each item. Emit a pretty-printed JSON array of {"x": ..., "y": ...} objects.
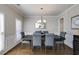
[
  {"x": 60, "y": 40},
  {"x": 23, "y": 38},
  {"x": 22, "y": 34},
  {"x": 63, "y": 34},
  {"x": 26, "y": 38},
  {"x": 49, "y": 40},
  {"x": 36, "y": 42}
]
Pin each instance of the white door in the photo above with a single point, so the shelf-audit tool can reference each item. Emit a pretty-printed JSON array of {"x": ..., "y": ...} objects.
[{"x": 1, "y": 31}]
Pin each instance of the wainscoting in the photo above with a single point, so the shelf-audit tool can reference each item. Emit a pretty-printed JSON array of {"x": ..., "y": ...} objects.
[{"x": 10, "y": 42}]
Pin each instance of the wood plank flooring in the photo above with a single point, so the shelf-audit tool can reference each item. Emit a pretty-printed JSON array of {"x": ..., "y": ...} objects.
[{"x": 26, "y": 50}]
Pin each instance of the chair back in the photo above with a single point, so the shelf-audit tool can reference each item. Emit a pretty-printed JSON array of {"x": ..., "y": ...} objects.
[
  {"x": 22, "y": 35},
  {"x": 36, "y": 39},
  {"x": 37, "y": 31},
  {"x": 49, "y": 39},
  {"x": 62, "y": 34},
  {"x": 45, "y": 32}
]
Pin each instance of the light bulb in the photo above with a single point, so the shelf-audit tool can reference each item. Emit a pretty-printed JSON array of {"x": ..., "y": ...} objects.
[{"x": 44, "y": 21}]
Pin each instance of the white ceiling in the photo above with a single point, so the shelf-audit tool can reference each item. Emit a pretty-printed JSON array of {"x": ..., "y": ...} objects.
[{"x": 48, "y": 9}]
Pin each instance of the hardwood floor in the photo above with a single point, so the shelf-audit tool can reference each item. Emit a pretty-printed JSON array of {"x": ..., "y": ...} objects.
[{"x": 26, "y": 50}]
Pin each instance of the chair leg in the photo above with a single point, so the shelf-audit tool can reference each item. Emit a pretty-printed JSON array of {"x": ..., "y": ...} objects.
[
  {"x": 55, "y": 46},
  {"x": 60, "y": 46},
  {"x": 32, "y": 48},
  {"x": 40, "y": 50},
  {"x": 45, "y": 50},
  {"x": 30, "y": 44},
  {"x": 52, "y": 48},
  {"x": 22, "y": 44},
  {"x": 63, "y": 45}
]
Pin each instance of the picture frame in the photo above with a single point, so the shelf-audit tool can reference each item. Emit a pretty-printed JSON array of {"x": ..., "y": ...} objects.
[{"x": 75, "y": 22}]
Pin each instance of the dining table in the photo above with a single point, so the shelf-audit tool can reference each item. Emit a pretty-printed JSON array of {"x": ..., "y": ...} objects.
[{"x": 56, "y": 38}]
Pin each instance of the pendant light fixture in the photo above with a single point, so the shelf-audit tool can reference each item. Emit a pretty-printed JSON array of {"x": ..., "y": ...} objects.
[
  {"x": 41, "y": 24},
  {"x": 42, "y": 20}
]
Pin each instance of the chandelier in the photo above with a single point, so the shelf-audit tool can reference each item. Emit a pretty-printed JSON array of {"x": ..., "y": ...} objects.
[{"x": 41, "y": 23}]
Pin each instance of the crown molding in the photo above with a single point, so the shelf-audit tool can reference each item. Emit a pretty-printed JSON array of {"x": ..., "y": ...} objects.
[
  {"x": 67, "y": 10},
  {"x": 12, "y": 7}
]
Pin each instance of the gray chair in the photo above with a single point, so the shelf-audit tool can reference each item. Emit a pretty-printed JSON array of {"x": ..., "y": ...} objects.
[
  {"x": 22, "y": 35},
  {"x": 37, "y": 32},
  {"x": 36, "y": 40},
  {"x": 63, "y": 34},
  {"x": 45, "y": 32},
  {"x": 49, "y": 40},
  {"x": 26, "y": 38},
  {"x": 60, "y": 40},
  {"x": 23, "y": 38}
]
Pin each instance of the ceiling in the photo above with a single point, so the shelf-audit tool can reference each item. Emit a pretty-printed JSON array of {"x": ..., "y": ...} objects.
[{"x": 48, "y": 9}]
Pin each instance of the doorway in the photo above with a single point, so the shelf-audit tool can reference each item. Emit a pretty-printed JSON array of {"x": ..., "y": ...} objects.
[{"x": 62, "y": 25}]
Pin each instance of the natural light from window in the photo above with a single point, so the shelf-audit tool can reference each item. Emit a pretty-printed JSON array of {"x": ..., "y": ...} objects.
[
  {"x": 1, "y": 31},
  {"x": 18, "y": 29}
]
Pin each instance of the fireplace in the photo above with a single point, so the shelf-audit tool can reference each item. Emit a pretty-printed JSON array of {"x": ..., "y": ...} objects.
[{"x": 76, "y": 45}]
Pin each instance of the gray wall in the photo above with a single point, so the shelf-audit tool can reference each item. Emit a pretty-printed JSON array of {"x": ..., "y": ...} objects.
[
  {"x": 10, "y": 26},
  {"x": 51, "y": 25},
  {"x": 74, "y": 10}
]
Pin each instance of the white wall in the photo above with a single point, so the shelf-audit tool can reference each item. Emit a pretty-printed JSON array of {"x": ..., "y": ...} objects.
[
  {"x": 74, "y": 10},
  {"x": 10, "y": 26},
  {"x": 51, "y": 26}
]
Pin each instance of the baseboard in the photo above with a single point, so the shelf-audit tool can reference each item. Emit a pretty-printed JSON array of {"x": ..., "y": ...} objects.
[
  {"x": 68, "y": 46},
  {"x": 4, "y": 52}
]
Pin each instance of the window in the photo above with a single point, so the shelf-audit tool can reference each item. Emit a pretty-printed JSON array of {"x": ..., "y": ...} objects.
[
  {"x": 18, "y": 29},
  {"x": 1, "y": 31}
]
